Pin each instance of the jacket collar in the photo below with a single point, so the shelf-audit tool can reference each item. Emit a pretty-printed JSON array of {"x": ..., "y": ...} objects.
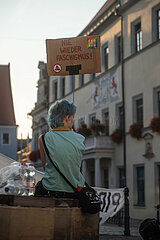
[{"x": 62, "y": 128}]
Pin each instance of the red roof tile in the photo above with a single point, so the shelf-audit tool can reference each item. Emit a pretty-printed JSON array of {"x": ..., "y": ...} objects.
[{"x": 7, "y": 116}]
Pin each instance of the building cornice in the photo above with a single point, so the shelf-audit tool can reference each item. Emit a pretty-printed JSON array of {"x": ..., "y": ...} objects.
[
  {"x": 107, "y": 17},
  {"x": 93, "y": 26},
  {"x": 39, "y": 108}
]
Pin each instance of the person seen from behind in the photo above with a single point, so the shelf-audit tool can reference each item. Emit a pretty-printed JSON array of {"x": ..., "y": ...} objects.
[{"x": 65, "y": 148}]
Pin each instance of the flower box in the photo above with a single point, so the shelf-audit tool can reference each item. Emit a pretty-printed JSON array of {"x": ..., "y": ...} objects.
[
  {"x": 155, "y": 124},
  {"x": 97, "y": 127},
  {"x": 135, "y": 130},
  {"x": 84, "y": 130},
  {"x": 116, "y": 136}
]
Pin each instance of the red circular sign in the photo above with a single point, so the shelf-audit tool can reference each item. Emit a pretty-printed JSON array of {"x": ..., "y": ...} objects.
[{"x": 57, "y": 68}]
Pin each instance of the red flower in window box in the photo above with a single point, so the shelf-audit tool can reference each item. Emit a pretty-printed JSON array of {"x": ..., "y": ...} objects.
[
  {"x": 116, "y": 136},
  {"x": 155, "y": 124},
  {"x": 97, "y": 127},
  {"x": 84, "y": 130},
  {"x": 135, "y": 130}
]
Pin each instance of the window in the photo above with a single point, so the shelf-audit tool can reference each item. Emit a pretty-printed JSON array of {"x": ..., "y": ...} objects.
[
  {"x": 5, "y": 139},
  {"x": 62, "y": 87},
  {"x": 138, "y": 109},
  {"x": 81, "y": 80},
  {"x": 136, "y": 36},
  {"x": 140, "y": 185},
  {"x": 54, "y": 90},
  {"x": 156, "y": 101},
  {"x": 71, "y": 84},
  {"x": 156, "y": 23},
  {"x": 80, "y": 121},
  {"x": 92, "y": 118},
  {"x": 159, "y": 182},
  {"x": 119, "y": 116},
  {"x": 93, "y": 76},
  {"x": 106, "y": 178},
  {"x": 92, "y": 177},
  {"x": 105, "y": 117},
  {"x": 90, "y": 167},
  {"x": 118, "y": 49},
  {"x": 105, "y": 56},
  {"x": 121, "y": 178},
  {"x": 36, "y": 142}
]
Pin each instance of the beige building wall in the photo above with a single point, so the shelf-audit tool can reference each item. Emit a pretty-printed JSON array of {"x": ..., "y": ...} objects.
[
  {"x": 141, "y": 75},
  {"x": 142, "y": 10}
]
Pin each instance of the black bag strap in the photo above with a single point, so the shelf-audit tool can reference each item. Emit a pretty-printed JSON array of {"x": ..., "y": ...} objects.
[{"x": 47, "y": 152}]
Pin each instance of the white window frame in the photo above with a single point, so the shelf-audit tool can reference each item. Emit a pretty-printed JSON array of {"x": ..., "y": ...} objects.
[
  {"x": 106, "y": 110},
  {"x": 71, "y": 83},
  {"x": 157, "y": 186},
  {"x": 90, "y": 117},
  {"x": 80, "y": 121},
  {"x": 134, "y": 107},
  {"x": 81, "y": 80},
  {"x": 155, "y": 101},
  {"x": 61, "y": 87},
  {"x": 53, "y": 89},
  {"x": 118, "y": 105},
  {"x": 133, "y": 38},
  {"x": 117, "y": 50},
  {"x": 9, "y": 137},
  {"x": 118, "y": 175},
  {"x": 105, "y": 68},
  {"x": 135, "y": 187},
  {"x": 154, "y": 23}
]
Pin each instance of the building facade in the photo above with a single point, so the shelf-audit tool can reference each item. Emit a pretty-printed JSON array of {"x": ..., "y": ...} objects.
[
  {"x": 39, "y": 112},
  {"x": 8, "y": 127},
  {"x": 127, "y": 91}
]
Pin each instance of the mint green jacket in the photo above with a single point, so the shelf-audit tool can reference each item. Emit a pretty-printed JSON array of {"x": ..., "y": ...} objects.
[{"x": 66, "y": 149}]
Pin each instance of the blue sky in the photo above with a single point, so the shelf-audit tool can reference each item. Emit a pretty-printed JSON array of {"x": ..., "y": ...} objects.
[{"x": 25, "y": 25}]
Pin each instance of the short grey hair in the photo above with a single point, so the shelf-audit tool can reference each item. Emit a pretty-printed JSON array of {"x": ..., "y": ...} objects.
[{"x": 58, "y": 111}]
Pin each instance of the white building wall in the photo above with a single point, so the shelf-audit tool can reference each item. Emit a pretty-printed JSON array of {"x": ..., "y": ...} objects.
[
  {"x": 141, "y": 75},
  {"x": 143, "y": 10}
]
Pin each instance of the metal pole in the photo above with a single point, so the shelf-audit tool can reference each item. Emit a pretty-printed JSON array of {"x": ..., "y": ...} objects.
[
  {"x": 73, "y": 86},
  {"x": 126, "y": 203},
  {"x": 123, "y": 102},
  {"x": 126, "y": 217}
]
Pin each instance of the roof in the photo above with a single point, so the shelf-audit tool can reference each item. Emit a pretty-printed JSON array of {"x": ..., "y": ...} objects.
[
  {"x": 7, "y": 116},
  {"x": 102, "y": 10}
]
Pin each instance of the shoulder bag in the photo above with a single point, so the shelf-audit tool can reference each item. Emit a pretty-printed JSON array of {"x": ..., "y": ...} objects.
[{"x": 89, "y": 200}]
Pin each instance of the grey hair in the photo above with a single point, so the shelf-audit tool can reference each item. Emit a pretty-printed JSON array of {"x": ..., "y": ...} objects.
[{"x": 58, "y": 111}]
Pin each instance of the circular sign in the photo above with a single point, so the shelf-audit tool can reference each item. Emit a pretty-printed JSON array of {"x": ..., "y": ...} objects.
[{"x": 57, "y": 68}]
